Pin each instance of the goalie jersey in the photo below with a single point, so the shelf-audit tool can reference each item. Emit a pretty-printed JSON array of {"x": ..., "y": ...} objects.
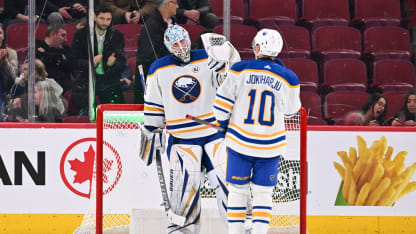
[
  {"x": 175, "y": 89},
  {"x": 253, "y": 102}
]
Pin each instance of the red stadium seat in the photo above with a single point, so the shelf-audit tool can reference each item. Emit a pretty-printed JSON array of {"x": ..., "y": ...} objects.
[
  {"x": 193, "y": 30},
  {"x": 336, "y": 42},
  {"x": 370, "y": 13},
  {"x": 393, "y": 75},
  {"x": 307, "y": 72},
  {"x": 313, "y": 120},
  {"x": 337, "y": 104},
  {"x": 76, "y": 119},
  {"x": 324, "y": 12},
  {"x": 70, "y": 31},
  {"x": 269, "y": 14},
  {"x": 132, "y": 65},
  {"x": 241, "y": 36},
  {"x": 387, "y": 42},
  {"x": 131, "y": 37},
  {"x": 345, "y": 74},
  {"x": 395, "y": 101},
  {"x": 296, "y": 42},
  {"x": 17, "y": 34},
  {"x": 237, "y": 10},
  {"x": 312, "y": 103}
]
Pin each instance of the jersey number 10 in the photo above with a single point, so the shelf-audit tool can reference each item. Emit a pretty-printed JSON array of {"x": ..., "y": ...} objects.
[{"x": 263, "y": 101}]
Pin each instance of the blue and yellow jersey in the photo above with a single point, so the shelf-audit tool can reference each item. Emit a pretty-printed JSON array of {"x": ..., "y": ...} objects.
[
  {"x": 254, "y": 100},
  {"x": 175, "y": 89}
]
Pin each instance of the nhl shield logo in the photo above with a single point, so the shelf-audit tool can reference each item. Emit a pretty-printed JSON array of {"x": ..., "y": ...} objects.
[{"x": 186, "y": 89}]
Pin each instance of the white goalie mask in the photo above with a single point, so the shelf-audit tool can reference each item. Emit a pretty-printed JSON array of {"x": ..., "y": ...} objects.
[
  {"x": 177, "y": 41},
  {"x": 270, "y": 42}
]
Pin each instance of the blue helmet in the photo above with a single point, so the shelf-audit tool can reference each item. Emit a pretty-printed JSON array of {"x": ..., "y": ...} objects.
[{"x": 177, "y": 41}]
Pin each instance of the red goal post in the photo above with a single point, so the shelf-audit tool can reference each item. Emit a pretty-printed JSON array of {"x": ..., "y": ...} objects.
[{"x": 296, "y": 124}]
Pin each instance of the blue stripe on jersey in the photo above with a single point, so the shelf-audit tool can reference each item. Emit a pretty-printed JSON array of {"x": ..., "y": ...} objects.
[
  {"x": 225, "y": 98},
  {"x": 262, "y": 207},
  {"x": 153, "y": 104},
  {"x": 236, "y": 221},
  {"x": 190, "y": 124},
  {"x": 260, "y": 221},
  {"x": 237, "y": 208},
  {"x": 255, "y": 141},
  {"x": 220, "y": 109},
  {"x": 270, "y": 66},
  {"x": 151, "y": 114}
]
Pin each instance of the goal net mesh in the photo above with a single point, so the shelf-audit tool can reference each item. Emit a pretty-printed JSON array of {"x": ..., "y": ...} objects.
[{"x": 121, "y": 128}]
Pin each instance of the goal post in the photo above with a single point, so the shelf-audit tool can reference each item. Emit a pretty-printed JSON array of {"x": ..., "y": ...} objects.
[{"x": 118, "y": 134}]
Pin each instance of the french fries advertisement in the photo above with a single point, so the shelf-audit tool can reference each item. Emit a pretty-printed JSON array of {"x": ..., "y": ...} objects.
[{"x": 373, "y": 174}]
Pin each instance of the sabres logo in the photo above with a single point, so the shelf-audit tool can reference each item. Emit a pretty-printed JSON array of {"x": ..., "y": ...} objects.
[{"x": 186, "y": 89}]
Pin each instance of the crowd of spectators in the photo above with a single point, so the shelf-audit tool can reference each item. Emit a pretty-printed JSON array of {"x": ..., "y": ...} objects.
[{"x": 66, "y": 63}]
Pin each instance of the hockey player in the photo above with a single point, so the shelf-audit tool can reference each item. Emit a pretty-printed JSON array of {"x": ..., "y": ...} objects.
[
  {"x": 179, "y": 84},
  {"x": 252, "y": 104}
]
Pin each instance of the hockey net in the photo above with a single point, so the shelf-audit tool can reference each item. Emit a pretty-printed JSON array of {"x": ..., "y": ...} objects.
[{"x": 111, "y": 212}]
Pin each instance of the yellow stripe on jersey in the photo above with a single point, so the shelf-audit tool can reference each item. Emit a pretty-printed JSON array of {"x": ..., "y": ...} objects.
[
  {"x": 184, "y": 120},
  {"x": 189, "y": 130},
  {"x": 261, "y": 214},
  {"x": 236, "y": 215},
  {"x": 148, "y": 108},
  {"x": 199, "y": 61},
  {"x": 189, "y": 152},
  {"x": 255, "y": 147},
  {"x": 223, "y": 104},
  {"x": 151, "y": 75},
  {"x": 255, "y": 134},
  {"x": 270, "y": 73}
]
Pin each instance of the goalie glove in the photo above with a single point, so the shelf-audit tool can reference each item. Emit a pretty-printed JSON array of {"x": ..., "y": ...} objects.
[
  {"x": 149, "y": 143},
  {"x": 221, "y": 53}
]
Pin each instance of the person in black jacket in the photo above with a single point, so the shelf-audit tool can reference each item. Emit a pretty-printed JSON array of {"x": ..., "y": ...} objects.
[
  {"x": 109, "y": 61},
  {"x": 56, "y": 55},
  {"x": 192, "y": 12},
  {"x": 151, "y": 46}
]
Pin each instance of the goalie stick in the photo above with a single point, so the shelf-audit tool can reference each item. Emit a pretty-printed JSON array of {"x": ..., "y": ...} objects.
[{"x": 201, "y": 121}]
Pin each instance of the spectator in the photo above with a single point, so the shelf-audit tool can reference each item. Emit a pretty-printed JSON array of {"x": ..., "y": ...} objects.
[
  {"x": 406, "y": 116},
  {"x": 192, "y": 12},
  {"x": 109, "y": 61},
  {"x": 130, "y": 11},
  {"x": 56, "y": 55},
  {"x": 64, "y": 11},
  {"x": 373, "y": 112},
  {"x": 18, "y": 111},
  {"x": 8, "y": 67},
  {"x": 151, "y": 45},
  {"x": 16, "y": 11}
]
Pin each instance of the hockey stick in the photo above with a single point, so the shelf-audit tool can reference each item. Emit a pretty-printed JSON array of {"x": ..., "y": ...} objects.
[
  {"x": 201, "y": 121},
  {"x": 140, "y": 67}
]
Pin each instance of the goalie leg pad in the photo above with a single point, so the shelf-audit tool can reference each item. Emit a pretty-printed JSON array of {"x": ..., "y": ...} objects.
[
  {"x": 185, "y": 183},
  {"x": 237, "y": 206},
  {"x": 217, "y": 152},
  {"x": 262, "y": 208}
]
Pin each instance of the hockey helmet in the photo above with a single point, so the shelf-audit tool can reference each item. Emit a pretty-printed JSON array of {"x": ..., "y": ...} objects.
[
  {"x": 270, "y": 42},
  {"x": 177, "y": 41}
]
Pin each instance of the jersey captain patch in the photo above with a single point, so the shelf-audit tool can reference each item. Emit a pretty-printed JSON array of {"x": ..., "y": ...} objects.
[{"x": 186, "y": 89}]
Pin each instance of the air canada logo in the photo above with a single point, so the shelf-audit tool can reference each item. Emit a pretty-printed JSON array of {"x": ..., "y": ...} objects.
[
  {"x": 186, "y": 89},
  {"x": 77, "y": 167}
]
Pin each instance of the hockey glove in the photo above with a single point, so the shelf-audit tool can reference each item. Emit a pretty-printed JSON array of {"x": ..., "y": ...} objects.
[{"x": 150, "y": 142}]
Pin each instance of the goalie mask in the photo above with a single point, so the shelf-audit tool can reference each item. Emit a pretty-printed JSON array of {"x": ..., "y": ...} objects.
[
  {"x": 269, "y": 41},
  {"x": 177, "y": 41}
]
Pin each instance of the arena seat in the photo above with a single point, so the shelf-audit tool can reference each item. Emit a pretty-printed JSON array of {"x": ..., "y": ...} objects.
[
  {"x": 70, "y": 31},
  {"x": 237, "y": 10},
  {"x": 268, "y": 14},
  {"x": 17, "y": 34},
  {"x": 323, "y": 12},
  {"x": 132, "y": 65},
  {"x": 313, "y": 120},
  {"x": 338, "y": 103},
  {"x": 345, "y": 74},
  {"x": 336, "y": 42},
  {"x": 307, "y": 72},
  {"x": 296, "y": 41},
  {"x": 193, "y": 30},
  {"x": 312, "y": 103},
  {"x": 131, "y": 37},
  {"x": 241, "y": 36},
  {"x": 395, "y": 101},
  {"x": 370, "y": 13},
  {"x": 393, "y": 75},
  {"x": 387, "y": 42},
  {"x": 76, "y": 119}
]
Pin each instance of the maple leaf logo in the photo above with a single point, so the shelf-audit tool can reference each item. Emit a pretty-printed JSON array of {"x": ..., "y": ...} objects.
[{"x": 83, "y": 169}]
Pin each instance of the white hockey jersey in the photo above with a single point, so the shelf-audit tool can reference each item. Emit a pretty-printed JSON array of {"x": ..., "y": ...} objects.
[
  {"x": 254, "y": 100},
  {"x": 175, "y": 89}
]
